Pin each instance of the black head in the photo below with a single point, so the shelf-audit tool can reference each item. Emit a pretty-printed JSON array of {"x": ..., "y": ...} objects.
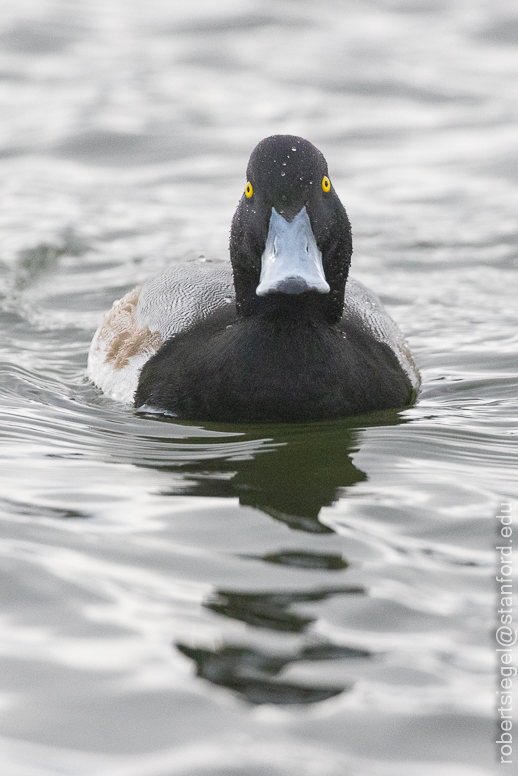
[{"x": 290, "y": 207}]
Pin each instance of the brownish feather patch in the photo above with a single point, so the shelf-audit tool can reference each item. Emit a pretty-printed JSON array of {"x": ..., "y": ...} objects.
[{"x": 120, "y": 335}]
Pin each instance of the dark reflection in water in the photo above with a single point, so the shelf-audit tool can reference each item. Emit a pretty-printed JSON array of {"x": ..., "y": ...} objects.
[
  {"x": 306, "y": 468},
  {"x": 302, "y": 469},
  {"x": 271, "y": 610},
  {"x": 252, "y": 674},
  {"x": 306, "y": 560}
]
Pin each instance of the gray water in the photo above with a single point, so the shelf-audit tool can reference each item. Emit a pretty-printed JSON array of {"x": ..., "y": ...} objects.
[{"x": 254, "y": 600}]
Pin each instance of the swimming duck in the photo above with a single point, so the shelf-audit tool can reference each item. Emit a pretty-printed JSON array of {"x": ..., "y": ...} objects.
[{"x": 283, "y": 336}]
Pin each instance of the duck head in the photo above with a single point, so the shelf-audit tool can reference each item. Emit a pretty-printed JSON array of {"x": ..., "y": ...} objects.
[{"x": 290, "y": 242}]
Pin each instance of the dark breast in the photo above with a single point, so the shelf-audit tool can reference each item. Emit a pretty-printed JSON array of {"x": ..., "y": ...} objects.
[{"x": 271, "y": 369}]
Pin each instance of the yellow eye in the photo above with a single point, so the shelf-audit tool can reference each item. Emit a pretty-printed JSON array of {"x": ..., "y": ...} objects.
[
  {"x": 249, "y": 190},
  {"x": 326, "y": 184}
]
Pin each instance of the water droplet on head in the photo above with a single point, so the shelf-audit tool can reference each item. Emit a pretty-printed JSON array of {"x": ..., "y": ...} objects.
[
  {"x": 294, "y": 148},
  {"x": 284, "y": 164},
  {"x": 283, "y": 173}
]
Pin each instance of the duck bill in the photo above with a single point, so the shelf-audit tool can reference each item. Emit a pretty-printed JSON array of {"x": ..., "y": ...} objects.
[{"x": 291, "y": 262}]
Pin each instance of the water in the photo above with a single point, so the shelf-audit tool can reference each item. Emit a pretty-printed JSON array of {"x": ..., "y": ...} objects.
[{"x": 254, "y": 600}]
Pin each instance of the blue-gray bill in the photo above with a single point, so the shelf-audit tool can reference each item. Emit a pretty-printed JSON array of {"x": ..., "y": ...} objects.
[{"x": 291, "y": 262}]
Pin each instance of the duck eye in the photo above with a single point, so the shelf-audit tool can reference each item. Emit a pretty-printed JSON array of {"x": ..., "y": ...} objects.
[
  {"x": 249, "y": 190},
  {"x": 326, "y": 184}
]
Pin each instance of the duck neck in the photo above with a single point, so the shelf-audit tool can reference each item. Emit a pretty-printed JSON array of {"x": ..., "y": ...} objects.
[
  {"x": 309, "y": 305},
  {"x": 304, "y": 307}
]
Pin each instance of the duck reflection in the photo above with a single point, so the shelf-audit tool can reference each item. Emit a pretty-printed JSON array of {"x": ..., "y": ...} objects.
[
  {"x": 300, "y": 476},
  {"x": 273, "y": 610},
  {"x": 289, "y": 473},
  {"x": 253, "y": 674}
]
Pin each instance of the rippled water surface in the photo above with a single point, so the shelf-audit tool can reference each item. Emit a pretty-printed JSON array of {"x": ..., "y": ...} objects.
[{"x": 254, "y": 600}]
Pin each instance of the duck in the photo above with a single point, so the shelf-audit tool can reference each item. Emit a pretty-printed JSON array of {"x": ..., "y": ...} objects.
[{"x": 281, "y": 335}]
